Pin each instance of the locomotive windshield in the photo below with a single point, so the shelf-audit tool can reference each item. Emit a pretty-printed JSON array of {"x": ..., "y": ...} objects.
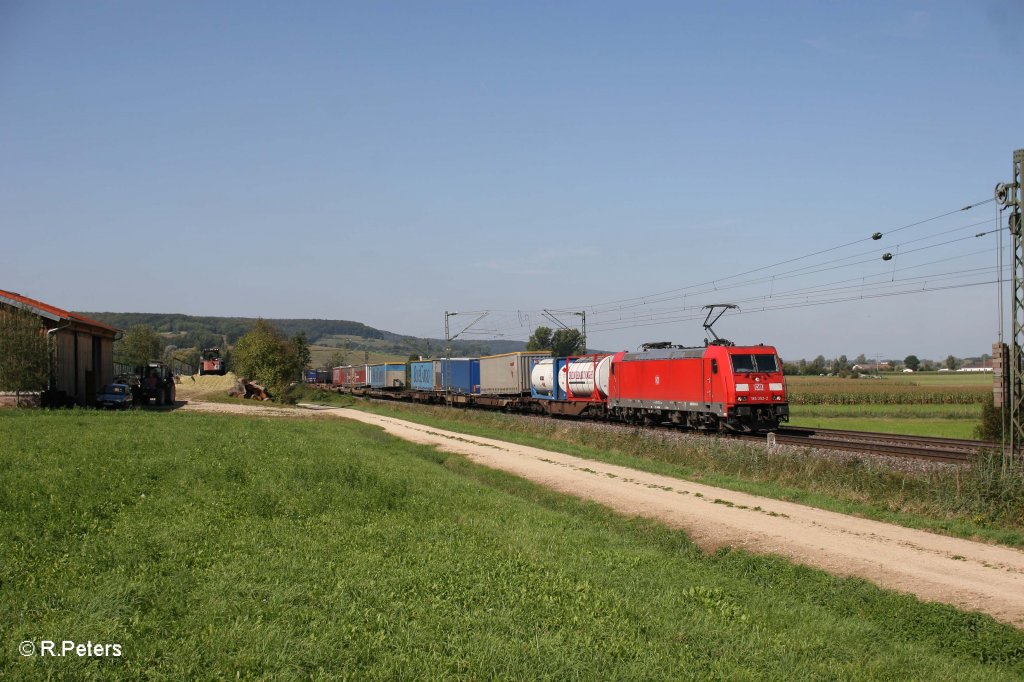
[{"x": 756, "y": 362}]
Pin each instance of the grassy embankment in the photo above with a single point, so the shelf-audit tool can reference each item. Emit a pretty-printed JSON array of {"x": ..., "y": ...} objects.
[
  {"x": 948, "y": 500},
  {"x": 945, "y": 404},
  {"x": 223, "y": 546}
]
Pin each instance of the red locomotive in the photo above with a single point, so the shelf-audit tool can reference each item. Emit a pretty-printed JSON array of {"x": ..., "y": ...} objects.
[{"x": 740, "y": 388}]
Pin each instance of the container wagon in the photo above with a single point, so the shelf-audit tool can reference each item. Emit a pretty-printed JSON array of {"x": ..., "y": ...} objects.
[
  {"x": 508, "y": 373},
  {"x": 387, "y": 376}
]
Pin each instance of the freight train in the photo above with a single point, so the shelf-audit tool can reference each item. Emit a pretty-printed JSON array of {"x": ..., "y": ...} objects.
[{"x": 718, "y": 386}]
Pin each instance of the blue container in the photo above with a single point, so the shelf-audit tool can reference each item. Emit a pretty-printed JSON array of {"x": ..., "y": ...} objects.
[
  {"x": 422, "y": 375},
  {"x": 310, "y": 376},
  {"x": 387, "y": 376},
  {"x": 460, "y": 375}
]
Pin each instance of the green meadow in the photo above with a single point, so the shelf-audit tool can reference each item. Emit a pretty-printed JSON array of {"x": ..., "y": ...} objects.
[
  {"x": 940, "y": 404},
  {"x": 215, "y": 547}
]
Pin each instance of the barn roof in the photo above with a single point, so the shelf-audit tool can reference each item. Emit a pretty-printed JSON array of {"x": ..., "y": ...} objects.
[{"x": 51, "y": 312}]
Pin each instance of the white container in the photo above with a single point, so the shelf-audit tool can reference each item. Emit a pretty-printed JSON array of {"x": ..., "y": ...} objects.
[
  {"x": 581, "y": 376},
  {"x": 542, "y": 378},
  {"x": 507, "y": 374}
]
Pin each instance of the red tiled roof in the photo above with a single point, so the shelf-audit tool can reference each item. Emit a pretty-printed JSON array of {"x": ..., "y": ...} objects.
[{"x": 60, "y": 313}]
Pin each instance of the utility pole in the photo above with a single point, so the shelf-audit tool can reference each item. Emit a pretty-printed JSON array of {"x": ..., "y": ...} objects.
[
  {"x": 448, "y": 338},
  {"x": 583, "y": 324},
  {"x": 1010, "y": 196},
  {"x": 447, "y": 362}
]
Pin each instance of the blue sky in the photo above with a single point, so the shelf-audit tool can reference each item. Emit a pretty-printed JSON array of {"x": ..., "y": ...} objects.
[{"x": 387, "y": 161}]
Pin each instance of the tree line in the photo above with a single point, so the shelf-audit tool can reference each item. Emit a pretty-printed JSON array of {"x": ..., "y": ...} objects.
[
  {"x": 843, "y": 366},
  {"x": 204, "y": 331}
]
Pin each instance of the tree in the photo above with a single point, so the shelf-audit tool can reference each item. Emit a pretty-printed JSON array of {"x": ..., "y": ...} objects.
[
  {"x": 912, "y": 362},
  {"x": 952, "y": 362},
  {"x": 189, "y": 356},
  {"x": 138, "y": 346},
  {"x": 860, "y": 360},
  {"x": 567, "y": 342},
  {"x": 267, "y": 357},
  {"x": 540, "y": 339},
  {"x": 817, "y": 366},
  {"x": 841, "y": 364},
  {"x": 24, "y": 357},
  {"x": 337, "y": 359},
  {"x": 302, "y": 352}
]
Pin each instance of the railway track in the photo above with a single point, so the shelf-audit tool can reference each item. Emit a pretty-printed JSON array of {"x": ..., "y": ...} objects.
[
  {"x": 951, "y": 450},
  {"x": 948, "y": 450}
]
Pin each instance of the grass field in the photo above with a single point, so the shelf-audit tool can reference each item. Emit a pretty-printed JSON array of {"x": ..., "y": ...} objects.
[
  {"x": 321, "y": 354},
  {"x": 936, "y": 428},
  {"x": 947, "y": 421},
  {"x": 220, "y": 546},
  {"x": 945, "y": 404}
]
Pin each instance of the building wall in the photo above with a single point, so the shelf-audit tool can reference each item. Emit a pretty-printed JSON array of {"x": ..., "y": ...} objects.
[
  {"x": 106, "y": 369},
  {"x": 64, "y": 375},
  {"x": 84, "y": 363},
  {"x": 83, "y": 347}
]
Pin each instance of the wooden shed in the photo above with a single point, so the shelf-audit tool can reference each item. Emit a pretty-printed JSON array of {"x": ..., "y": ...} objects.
[{"x": 82, "y": 349}]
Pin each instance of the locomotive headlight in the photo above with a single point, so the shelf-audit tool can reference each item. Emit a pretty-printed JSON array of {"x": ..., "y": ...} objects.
[
  {"x": 777, "y": 397},
  {"x": 775, "y": 387},
  {"x": 742, "y": 387},
  {"x": 741, "y": 398}
]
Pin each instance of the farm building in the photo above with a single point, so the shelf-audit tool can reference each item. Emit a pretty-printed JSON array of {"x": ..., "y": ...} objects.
[
  {"x": 883, "y": 366},
  {"x": 83, "y": 349}
]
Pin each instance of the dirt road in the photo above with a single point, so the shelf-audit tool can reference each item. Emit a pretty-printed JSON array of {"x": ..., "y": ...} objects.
[{"x": 970, "y": 575}]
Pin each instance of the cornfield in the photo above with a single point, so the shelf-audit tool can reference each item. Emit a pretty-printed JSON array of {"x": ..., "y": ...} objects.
[{"x": 864, "y": 391}]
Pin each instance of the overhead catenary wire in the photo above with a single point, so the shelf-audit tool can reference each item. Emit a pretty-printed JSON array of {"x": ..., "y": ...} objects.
[
  {"x": 791, "y": 274},
  {"x": 805, "y": 270},
  {"x": 860, "y": 282},
  {"x": 792, "y": 260},
  {"x": 864, "y": 284},
  {"x": 806, "y": 304},
  {"x": 806, "y": 292},
  {"x": 620, "y": 313}
]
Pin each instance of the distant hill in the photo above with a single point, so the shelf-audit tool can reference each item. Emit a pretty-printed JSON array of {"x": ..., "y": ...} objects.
[{"x": 353, "y": 338}]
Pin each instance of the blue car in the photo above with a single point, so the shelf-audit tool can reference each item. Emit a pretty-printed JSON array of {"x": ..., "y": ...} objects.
[{"x": 115, "y": 396}]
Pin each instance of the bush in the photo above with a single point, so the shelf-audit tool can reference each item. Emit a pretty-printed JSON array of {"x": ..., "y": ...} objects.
[
  {"x": 994, "y": 421},
  {"x": 993, "y": 489},
  {"x": 265, "y": 356}
]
